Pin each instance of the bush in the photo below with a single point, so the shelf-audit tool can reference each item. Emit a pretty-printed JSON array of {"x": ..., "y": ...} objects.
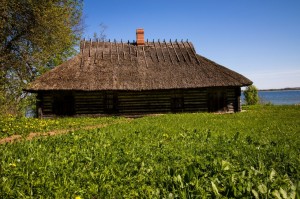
[{"x": 251, "y": 95}]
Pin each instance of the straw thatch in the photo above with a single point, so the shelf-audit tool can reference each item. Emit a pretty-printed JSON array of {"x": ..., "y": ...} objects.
[{"x": 126, "y": 66}]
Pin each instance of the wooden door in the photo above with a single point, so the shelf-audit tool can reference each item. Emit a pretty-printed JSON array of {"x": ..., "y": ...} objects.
[
  {"x": 217, "y": 101},
  {"x": 111, "y": 103},
  {"x": 63, "y": 105}
]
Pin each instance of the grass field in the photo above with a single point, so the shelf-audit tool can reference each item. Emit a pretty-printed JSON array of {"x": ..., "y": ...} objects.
[{"x": 252, "y": 154}]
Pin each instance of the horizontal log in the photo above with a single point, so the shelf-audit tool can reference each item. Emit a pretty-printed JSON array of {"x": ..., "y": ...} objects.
[
  {"x": 139, "y": 111},
  {"x": 195, "y": 92},
  {"x": 144, "y": 100},
  {"x": 88, "y": 103},
  {"x": 142, "y": 96},
  {"x": 88, "y": 112},
  {"x": 144, "y": 103},
  {"x": 47, "y": 99},
  {"x": 195, "y": 95},
  {"x": 195, "y": 103},
  {"x": 47, "y": 102},
  {"x": 89, "y": 108},
  {"x": 196, "y": 100},
  {"x": 143, "y": 107},
  {"x": 89, "y": 97}
]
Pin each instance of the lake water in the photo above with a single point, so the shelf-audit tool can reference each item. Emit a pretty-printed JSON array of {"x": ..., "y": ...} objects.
[{"x": 278, "y": 97}]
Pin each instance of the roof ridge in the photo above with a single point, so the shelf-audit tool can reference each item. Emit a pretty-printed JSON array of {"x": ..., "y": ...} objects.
[
  {"x": 84, "y": 42},
  {"x": 180, "y": 51}
]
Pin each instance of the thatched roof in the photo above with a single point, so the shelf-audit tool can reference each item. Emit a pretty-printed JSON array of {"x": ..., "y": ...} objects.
[{"x": 127, "y": 66}]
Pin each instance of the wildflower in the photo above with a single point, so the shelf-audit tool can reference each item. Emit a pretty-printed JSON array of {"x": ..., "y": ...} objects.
[
  {"x": 18, "y": 160},
  {"x": 12, "y": 165},
  {"x": 77, "y": 197}
]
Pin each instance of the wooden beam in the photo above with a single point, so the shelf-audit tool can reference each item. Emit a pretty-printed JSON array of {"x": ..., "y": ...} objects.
[
  {"x": 156, "y": 51},
  {"x": 186, "y": 51},
  {"x": 145, "y": 57},
  {"x": 129, "y": 51},
  {"x": 162, "y": 51},
  {"x": 123, "y": 49},
  {"x": 175, "y": 51},
  {"x": 90, "y": 47},
  {"x": 96, "y": 53},
  {"x": 82, "y": 52},
  {"x": 168, "y": 51},
  {"x": 194, "y": 53},
  {"x": 180, "y": 50},
  {"x": 110, "y": 50},
  {"x": 117, "y": 52}
]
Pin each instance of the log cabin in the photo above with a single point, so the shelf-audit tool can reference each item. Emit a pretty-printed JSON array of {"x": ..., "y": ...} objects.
[{"x": 137, "y": 78}]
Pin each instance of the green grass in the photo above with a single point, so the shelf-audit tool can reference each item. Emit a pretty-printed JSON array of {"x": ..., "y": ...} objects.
[
  {"x": 250, "y": 154},
  {"x": 23, "y": 126}
]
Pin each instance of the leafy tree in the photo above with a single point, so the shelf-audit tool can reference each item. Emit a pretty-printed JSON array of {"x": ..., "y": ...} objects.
[
  {"x": 251, "y": 95},
  {"x": 35, "y": 36}
]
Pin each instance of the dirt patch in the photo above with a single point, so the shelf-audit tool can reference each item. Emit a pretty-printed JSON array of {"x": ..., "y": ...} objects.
[{"x": 10, "y": 139}]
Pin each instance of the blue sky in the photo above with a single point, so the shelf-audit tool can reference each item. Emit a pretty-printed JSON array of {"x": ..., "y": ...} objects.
[{"x": 257, "y": 38}]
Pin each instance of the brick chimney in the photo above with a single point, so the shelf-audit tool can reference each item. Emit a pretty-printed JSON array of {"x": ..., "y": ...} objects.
[{"x": 140, "y": 36}]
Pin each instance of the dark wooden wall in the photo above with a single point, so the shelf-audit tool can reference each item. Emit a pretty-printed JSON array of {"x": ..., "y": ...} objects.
[{"x": 50, "y": 104}]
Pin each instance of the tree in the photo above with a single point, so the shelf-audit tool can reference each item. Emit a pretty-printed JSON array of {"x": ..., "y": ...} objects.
[
  {"x": 251, "y": 95},
  {"x": 35, "y": 36},
  {"x": 101, "y": 36}
]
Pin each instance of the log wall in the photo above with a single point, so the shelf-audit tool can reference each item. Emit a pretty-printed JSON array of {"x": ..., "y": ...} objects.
[
  {"x": 137, "y": 102},
  {"x": 89, "y": 103},
  {"x": 231, "y": 99}
]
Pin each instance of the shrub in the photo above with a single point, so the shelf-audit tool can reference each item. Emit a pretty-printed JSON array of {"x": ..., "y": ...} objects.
[{"x": 251, "y": 95}]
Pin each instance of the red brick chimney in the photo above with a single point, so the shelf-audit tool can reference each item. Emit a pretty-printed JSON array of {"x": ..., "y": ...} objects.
[{"x": 140, "y": 36}]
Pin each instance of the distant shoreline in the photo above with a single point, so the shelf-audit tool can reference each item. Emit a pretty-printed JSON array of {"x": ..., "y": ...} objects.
[{"x": 280, "y": 89}]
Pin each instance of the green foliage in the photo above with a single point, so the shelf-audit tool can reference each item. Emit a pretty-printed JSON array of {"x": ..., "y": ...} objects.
[
  {"x": 35, "y": 36},
  {"x": 252, "y": 154},
  {"x": 11, "y": 125},
  {"x": 251, "y": 95}
]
